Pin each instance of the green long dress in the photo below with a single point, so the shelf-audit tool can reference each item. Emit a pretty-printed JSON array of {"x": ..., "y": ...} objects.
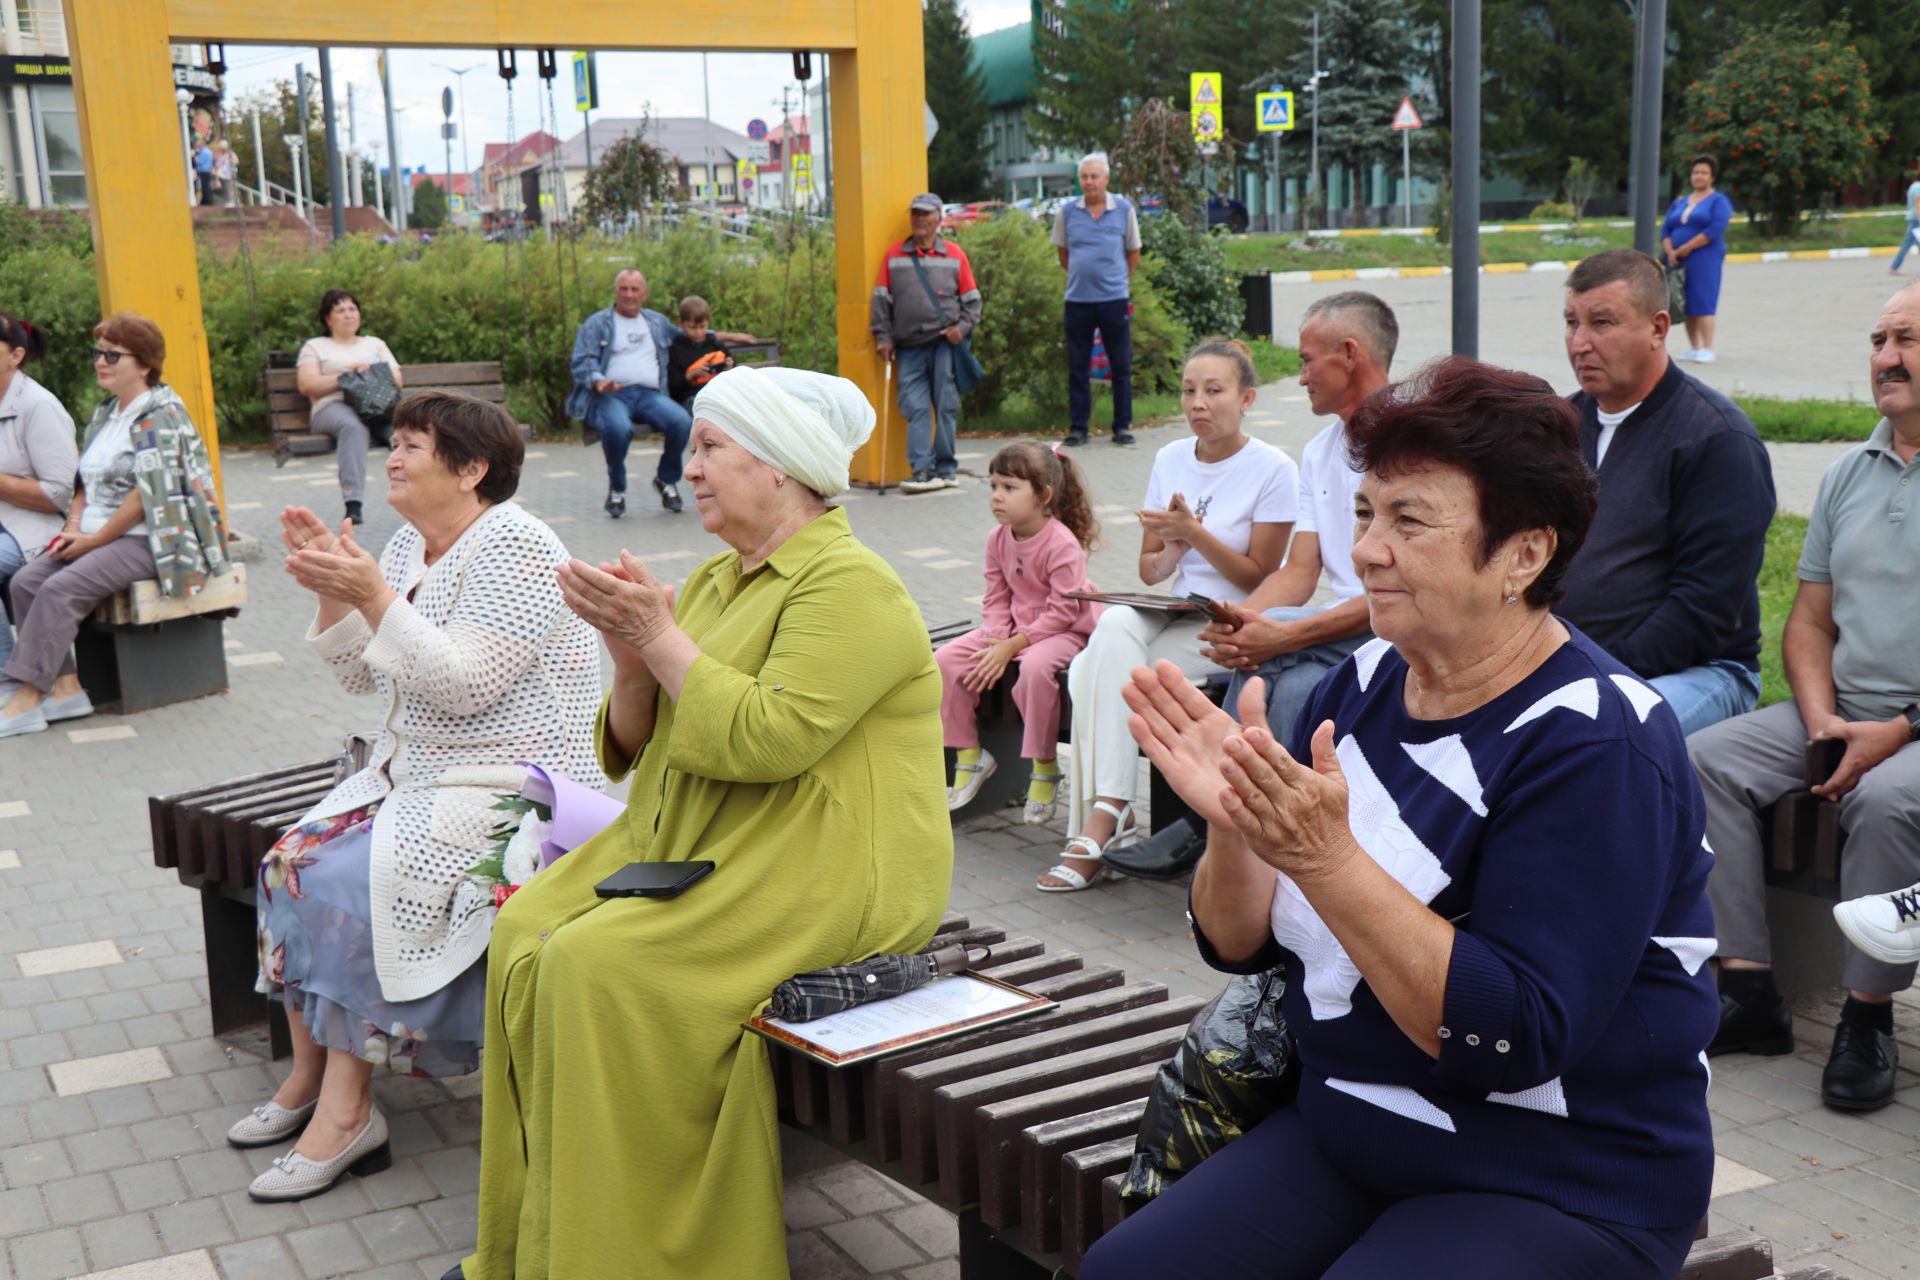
[{"x": 628, "y": 1127}]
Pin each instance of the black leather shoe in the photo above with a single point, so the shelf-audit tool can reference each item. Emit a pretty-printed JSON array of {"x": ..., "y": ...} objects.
[
  {"x": 1167, "y": 854},
  {"x": 669, "y": 494},
  {"x": 455, "y": 1274},
  {"x": 1860, "y": 1071},
  {"x": 1123, "y": 436},
  {"x": 1075, "y": 439},
  {"x": 1765, "y": 1030}
]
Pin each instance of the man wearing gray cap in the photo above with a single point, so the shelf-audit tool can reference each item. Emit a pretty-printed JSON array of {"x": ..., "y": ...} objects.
[{"x": 925, "y": 303}]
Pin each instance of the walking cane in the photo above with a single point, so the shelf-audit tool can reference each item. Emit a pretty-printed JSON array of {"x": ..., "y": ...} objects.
[{"x": 886, "y": 421}]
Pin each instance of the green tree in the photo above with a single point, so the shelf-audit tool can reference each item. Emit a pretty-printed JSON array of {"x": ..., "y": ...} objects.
[
  {"x": 1790, "y": 114},
  {"x": 1558, "y": 86},
  {"x": 1085, "y": 71},
  {"x": 957, "y": 94},
  {"x": 1371, "y": 51},
  {"x": 429, "y": 207},
  {"x": 279, "y": 112},
  {"x": 629, "y": 179},
  {"x": 1155, "y": 155}
]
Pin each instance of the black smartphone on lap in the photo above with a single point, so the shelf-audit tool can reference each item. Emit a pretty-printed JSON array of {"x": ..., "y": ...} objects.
[
  {"x": 1823, "y": 758},
  {"x": 653, "y": 879}
]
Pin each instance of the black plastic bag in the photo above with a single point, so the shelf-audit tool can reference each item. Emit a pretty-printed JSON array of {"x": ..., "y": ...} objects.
[{"x": 1235, "y": 1068}]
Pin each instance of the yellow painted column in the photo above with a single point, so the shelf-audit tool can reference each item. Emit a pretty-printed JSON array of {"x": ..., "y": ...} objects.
[
  {"x": 879, "y": 139},
  {"x": 137, "y": 188}
]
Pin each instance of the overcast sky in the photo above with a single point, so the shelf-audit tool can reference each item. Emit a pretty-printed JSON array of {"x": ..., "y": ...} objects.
[{"x": 742, "y": 86}]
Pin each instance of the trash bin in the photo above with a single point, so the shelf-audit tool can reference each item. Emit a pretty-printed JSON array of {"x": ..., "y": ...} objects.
[{"x": 1256, "y": 291}]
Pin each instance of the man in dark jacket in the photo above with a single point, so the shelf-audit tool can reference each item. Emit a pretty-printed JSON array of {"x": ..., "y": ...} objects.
[{"x": 1666, "y": 579}]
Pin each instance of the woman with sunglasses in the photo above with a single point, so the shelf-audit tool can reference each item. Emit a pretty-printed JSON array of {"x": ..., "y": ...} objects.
[{"x": 144, "y": 506}]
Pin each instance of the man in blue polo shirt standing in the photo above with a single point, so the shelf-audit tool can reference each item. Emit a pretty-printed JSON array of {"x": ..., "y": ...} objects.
[{"x": 1098, "y": 237}]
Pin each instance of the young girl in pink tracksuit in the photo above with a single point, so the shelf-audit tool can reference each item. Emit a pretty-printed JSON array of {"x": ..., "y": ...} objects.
[{"x": 1038, "y": 553}]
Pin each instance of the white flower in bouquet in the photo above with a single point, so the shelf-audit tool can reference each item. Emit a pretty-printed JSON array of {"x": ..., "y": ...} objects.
[{"x": 522, "y": 858}]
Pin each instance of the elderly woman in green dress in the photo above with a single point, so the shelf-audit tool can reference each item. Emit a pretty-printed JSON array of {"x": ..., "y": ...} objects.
[{"x": 782, "y": 719}]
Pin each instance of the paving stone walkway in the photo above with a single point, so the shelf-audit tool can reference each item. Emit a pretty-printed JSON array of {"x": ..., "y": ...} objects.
[{"x": 114, "y": 1097}]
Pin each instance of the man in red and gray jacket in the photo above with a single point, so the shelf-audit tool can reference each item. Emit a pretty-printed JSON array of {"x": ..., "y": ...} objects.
[{"x": 925, "y": 303}]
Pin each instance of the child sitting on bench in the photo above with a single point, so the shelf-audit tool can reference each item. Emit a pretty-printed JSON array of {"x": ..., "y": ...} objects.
[
  {"x": 1038, "y": 553},
  {"x": 696, "y": 354}
]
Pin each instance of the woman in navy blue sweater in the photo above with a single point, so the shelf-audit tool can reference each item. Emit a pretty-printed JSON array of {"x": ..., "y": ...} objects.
[{"x": 1486, "y": 892}]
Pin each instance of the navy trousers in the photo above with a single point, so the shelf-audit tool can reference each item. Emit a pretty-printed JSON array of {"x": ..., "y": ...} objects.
[
  {"x": 1116, "y": 330},
  {"x": 1270, "y": 1207}
]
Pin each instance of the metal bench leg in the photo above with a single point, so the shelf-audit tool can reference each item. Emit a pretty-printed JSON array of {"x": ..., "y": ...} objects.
[{"x": 983, "y": 1257}]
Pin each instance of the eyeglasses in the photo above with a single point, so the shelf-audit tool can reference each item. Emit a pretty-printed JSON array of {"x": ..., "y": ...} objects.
[{"x": 98, "y": 354}]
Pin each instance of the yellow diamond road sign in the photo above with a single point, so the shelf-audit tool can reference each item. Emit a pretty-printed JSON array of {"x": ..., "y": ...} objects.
[
  {"x": 1205, "y": 103},
  {"x": 1274, "y": 111}
]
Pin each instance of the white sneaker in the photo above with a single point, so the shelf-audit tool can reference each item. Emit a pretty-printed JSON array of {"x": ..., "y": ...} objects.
[
  {"x": 1884, "y": 925},
  {"x": 269, "y": 1123},
  {"x": 1703, "y": 356},
  {"x": 1688, "y": 354},
  {"x": 294, "y": 1177},
  {"x": 977, "y": 775}
]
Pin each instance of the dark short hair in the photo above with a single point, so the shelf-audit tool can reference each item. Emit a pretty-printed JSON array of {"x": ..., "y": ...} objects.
[
  {"x": 1367, "y": 316},
  {"x": 465, "y": 430},
  {"x": 1509, "y": 432},
  {"x": 1712, "y": 163},
  {"x": 694, "y": 310},
  {"x": 140, "y": 336},
  {"x": 1646, "y": 279},
  {"x": 17, "y": 333},
  {"x": 333, "y": 298}
]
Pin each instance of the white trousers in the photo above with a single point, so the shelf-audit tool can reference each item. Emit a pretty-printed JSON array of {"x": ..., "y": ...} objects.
[{"x": 1106, "y": 760}]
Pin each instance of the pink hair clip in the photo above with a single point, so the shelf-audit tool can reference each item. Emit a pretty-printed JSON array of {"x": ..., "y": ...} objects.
[{"x": 1055, "y": 447}]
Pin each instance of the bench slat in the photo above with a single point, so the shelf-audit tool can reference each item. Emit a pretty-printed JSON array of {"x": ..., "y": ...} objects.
[
  {"x": 881, "y": 1091},
  {"x": 947, "y": 1140},
  {"x": 162, "y": 810},
  {"x": 1731, "y": 1255},
  {"x": 1131, "y": 1082},
  {"x": 1089, "y": 1212},
  {"x": 1040, "y": 1151}
]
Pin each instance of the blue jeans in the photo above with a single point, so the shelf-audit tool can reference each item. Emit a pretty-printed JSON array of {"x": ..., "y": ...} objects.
[
  {"x": 613, "y": 413},
  {"x": 1116, "y": 330},
  {"x": 1906, "y": 243},
  {"x": 1703, "y": 696},
  {"x": 931, "y": 402},
  {"x": 11, "y": 558},
  {"x": 1292, "y": 677}
]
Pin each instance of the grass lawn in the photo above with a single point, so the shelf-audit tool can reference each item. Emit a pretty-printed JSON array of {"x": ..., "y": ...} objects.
[
  {"x": 1777, "y": 585},
  {"x": 1302, "y": 253},
  {"x": 1809, "y": 421}
]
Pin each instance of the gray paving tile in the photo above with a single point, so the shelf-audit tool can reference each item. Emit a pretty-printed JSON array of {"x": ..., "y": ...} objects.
[
  {"x": 21, "y": 1212},
  {"x": 250, "y": 1218},
  {"x": 216, "y": 1172},
  {"x": 49, "y": 1255},
  {"x": 35, "y": 1163},
  {"x": 102, "y": 1149},
  {"x": 127, "y": 1105},
  {"x": 810, "y": 1256},
  {"x": 455, "y": 1219},
  {"x": 146, "y": 1186},
  {"x": 120, "y": 1241},
  {"x": 333, "y": 1249},
  {"x": 71, "y": 1201},
  {"x": 193, "y": 1224},
  {"x": 264, "y": 1259},
  {"x": 395, "y": 1235},
  {"x": 931, "y": 1229},
  {"x": 59, "y": 1117},
  {"x": 857, "y": 1189}
]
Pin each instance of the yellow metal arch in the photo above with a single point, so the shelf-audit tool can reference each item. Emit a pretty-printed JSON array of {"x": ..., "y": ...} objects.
[{"x": 137, "y": 187}]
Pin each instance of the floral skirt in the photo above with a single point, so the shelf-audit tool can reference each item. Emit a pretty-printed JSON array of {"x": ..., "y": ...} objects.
[{"x": 316, "y": 952}]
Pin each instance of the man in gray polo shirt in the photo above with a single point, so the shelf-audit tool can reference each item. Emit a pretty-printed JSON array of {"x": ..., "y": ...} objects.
[
  {"x": 1853, "y": 663},
  {"x": 1098, "y": 237}
]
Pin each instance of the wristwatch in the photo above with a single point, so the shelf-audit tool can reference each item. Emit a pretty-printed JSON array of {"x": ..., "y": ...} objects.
[{"x": 1912, "y": 713}]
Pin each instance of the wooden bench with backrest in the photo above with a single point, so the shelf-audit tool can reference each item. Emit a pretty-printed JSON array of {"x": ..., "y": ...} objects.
[
  {"x": 293, "y": 434},
  {"x": 761, "y": 355}
]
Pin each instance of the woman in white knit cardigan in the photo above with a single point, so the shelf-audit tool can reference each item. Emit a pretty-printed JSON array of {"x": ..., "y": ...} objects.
[{"x": 371, "y": 931}]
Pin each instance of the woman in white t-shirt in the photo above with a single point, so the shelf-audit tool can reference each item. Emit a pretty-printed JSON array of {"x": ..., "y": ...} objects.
[
  {"x": 322, "y": 361},
  {"x": 1220, "y": 506}
]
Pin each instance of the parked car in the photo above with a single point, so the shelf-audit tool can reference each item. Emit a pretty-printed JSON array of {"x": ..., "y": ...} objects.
[
  {"x": 1222, "y": 211},
  {"x": 961, "y": 215}
]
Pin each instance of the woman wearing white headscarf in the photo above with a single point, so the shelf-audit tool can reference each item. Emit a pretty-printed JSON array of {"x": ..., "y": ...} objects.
[{"x": 781, "y": 718}]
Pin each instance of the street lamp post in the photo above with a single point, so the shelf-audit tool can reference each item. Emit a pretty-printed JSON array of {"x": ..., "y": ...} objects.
[
  {"x": 185, "y": 100},
  {"x": 466, "y": 157}
]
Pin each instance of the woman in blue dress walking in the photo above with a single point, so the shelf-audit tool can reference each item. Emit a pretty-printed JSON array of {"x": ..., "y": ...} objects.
[{"x": 1695, "y": 236}]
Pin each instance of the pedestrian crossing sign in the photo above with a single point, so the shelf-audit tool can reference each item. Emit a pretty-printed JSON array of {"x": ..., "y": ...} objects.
[
  {"x": 1275, "y": 111},
  {"x": 1205, "y": 106}
]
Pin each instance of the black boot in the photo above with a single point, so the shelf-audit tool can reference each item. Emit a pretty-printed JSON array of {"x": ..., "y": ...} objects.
[
  {"x": 1860, "y": 1070},
  {"x": 1762, "y": 1028},
  {"x": 353, "y": 513},
  {"x": 1167, "y": 854}
]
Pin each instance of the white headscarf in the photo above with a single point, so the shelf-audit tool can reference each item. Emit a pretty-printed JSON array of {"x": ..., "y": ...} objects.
[{"x": 805, "y": 424}]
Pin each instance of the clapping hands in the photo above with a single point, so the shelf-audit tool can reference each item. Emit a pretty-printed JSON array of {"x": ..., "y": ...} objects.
[
  {"x": 331, "y": 565},
  {"x": 624, "y": 602}
]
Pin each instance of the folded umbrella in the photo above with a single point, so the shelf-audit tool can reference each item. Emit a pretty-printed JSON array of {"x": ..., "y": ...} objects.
[{"x": 819, "y": 992}]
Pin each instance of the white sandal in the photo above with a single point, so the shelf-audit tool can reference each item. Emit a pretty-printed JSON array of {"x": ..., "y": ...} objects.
[
  {"x": 1085, "y": 847},
  {"x": 961, "y": 797}
]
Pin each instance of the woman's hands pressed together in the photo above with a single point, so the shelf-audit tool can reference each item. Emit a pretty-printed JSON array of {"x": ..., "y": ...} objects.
[
  {"x": 624, "y": 602},
  {"x": 1293, "y": 817},
  {"x": 1176, "y": 523},
  {"x": 334, "y": 566}
]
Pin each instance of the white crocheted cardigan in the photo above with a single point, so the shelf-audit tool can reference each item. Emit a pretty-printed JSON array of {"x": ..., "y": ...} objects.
[{"x": 478, "y": 665}]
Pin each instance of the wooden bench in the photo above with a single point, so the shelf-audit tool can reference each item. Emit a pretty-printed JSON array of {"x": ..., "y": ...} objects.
[
  {"x": 761, "y": 355},
  {"x": 141, "y": 650},
  {"x": 1024, "y": 1131},
  {"x": 291, "y": 412},
  {"x": 1803, "y": 843}
]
